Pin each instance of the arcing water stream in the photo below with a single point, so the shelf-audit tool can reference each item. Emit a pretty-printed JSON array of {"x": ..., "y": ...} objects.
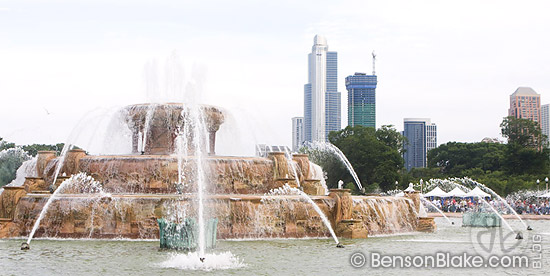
[
  {"x": 435, "y": 207},
  {"x": 482, "y": 186},
  {"x": 58, "y": 167},
  {"x": 287, "y": 190},
  {"x": 326, "y": 146}
]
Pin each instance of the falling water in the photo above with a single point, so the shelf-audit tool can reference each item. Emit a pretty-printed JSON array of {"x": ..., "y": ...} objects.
[
  {"x": 291, "y": 164},
  {"x": 439, "y": 210},
  {"x": 287, "y": 190},
  {"x": 148, "y": 118},
  {"x": 59, "y": 165},
  {"x": 318, "y": 174},
  {"x": 336, "y": 151},
  {"x": 27, "y": 169}
]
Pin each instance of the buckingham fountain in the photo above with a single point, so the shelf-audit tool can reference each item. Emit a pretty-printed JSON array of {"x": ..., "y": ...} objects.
[{"x": 122, "y": 196}]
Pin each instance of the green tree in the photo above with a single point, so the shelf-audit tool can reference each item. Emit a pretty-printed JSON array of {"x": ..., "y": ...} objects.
[
  {"x": 374, "y": 154},
  {"x": 523, "y": 132},
  {"x": 331, "y": 165},
  {"x": 10, "y": 160},
  {"x": 5, "y": 145},
  {"x": 35, "y": 148},
  {"x": 454, "y": 158}
]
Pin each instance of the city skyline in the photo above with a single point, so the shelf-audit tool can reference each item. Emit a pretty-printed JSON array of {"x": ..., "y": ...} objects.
[{"x": 60, "y": 63}]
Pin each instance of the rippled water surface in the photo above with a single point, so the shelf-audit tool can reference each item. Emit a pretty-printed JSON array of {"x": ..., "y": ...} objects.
[{"x": 279, "y": 257}]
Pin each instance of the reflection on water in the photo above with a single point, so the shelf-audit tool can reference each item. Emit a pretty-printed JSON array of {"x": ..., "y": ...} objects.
[{"x": 268, "y": 257}]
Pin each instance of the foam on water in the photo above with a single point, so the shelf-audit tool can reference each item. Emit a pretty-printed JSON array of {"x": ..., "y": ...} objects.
[{"x": 212, "y": 261}]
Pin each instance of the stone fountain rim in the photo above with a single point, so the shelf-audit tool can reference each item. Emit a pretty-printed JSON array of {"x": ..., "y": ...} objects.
[{"x": 171, "y": 104}]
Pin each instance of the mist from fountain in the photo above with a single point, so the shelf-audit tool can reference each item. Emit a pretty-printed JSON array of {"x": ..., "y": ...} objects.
[
  {"x": 326, "y": 146},
  {"x": 287, "y": 190}
]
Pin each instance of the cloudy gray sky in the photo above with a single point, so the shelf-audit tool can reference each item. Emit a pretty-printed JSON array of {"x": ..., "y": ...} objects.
[{"x": 456, "y": 62}]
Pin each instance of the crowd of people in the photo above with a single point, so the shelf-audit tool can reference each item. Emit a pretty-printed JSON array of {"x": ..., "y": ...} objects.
[{"x": 538, "y": 206}]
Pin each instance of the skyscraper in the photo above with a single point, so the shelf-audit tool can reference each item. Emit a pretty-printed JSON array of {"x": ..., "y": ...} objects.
[
  {"x": 361, "y": 99},
  {"x": 297, "y": 132},
  {"x": 525, "y": 103},
  {"x": 422, "y": 137},
  {"x": 545, "y": 120},
  {"x": 321, "y": 96}
]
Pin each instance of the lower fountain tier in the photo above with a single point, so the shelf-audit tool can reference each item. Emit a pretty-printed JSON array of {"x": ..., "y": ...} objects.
[{"x": 240, "y": 216}]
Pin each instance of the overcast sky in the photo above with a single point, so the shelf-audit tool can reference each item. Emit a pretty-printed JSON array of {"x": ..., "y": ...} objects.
[{"x": 455, "y": 62}]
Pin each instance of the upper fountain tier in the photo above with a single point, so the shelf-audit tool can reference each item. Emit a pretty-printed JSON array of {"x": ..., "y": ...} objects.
[{"x": 158, "y": 124}]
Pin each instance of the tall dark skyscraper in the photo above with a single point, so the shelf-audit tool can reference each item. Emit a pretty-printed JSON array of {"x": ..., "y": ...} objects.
[
  {"x": 322, "y": 112},
  {"x": 361, "y": 99},
  {"x": 422, "y": 137}
]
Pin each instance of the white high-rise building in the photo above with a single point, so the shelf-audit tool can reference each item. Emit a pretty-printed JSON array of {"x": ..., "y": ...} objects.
[
  {"x": 317, "y": 78},
  {"x": 297, "y": 133},
  {"x": 321, "y": 96},
  {"x": 545, "y": 120}
]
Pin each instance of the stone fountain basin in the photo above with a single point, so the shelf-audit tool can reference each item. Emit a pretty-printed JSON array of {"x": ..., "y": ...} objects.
[{"x": 240, "y": 215}]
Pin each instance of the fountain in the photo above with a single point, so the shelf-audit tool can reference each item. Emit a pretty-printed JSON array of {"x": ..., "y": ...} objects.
[{"x": 166, "y": 171}]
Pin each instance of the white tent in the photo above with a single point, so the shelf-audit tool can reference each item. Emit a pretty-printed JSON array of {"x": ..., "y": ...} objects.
[
  {"x": 456, "y": 192},
  {"x": 400, "y": 194},
  {"x": 545, "y": 195},
  {"x": 477, "y": 192},
  {"x": 437, "y": 192}
]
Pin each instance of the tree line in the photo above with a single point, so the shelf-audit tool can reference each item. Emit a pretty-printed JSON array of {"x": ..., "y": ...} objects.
[{"x": 376, "y": 155}]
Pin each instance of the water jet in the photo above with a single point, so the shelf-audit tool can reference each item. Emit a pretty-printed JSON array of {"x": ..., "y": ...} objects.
[{"x": 161, "y": 177}]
